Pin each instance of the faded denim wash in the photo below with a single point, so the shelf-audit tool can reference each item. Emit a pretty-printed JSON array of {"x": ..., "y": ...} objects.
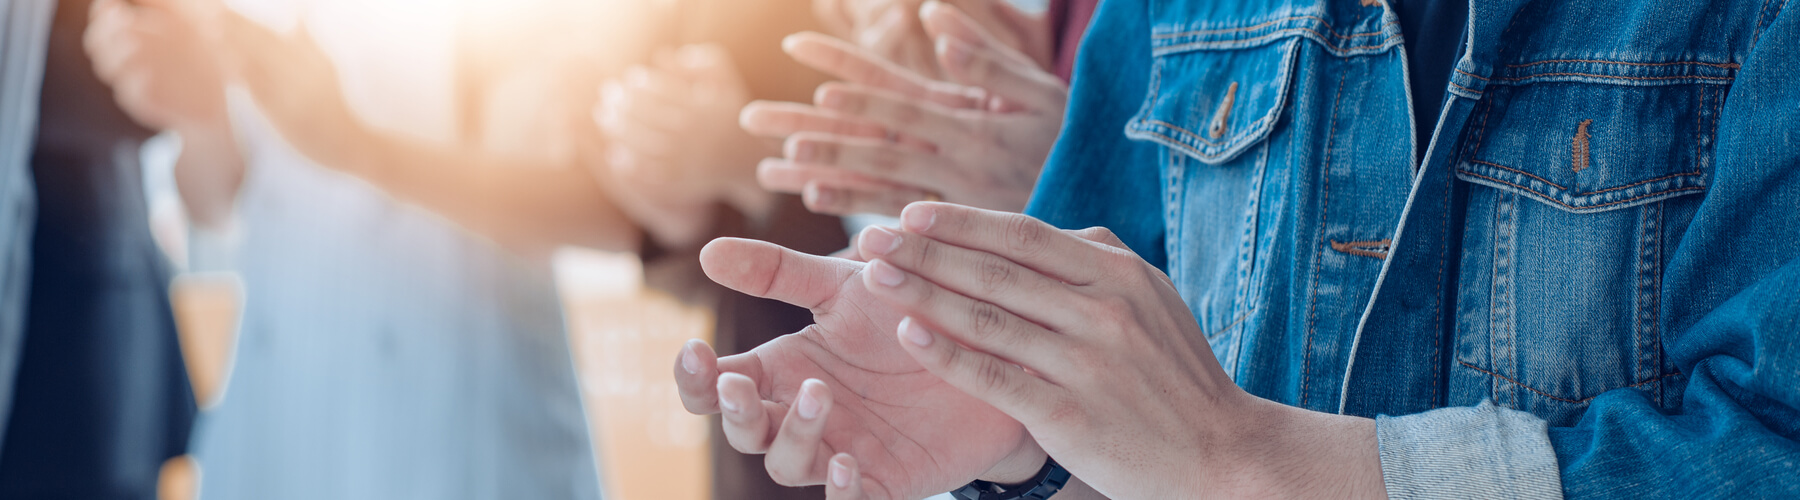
[{"x": 1590, "y": 286}]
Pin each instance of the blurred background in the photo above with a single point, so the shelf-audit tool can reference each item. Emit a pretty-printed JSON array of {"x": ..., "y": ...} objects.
[{"x": 372, "y": 249}]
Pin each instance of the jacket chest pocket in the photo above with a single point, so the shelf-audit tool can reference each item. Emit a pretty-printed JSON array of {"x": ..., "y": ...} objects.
[
  {"x": 1577, "y": 193},
  {"x": 1212, "y": 111}
]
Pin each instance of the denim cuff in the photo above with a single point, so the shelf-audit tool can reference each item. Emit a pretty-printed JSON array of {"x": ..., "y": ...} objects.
[{"x": 1479, "y": 452}]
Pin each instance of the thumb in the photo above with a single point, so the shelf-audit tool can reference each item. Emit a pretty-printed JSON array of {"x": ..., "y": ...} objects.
[{"x": 767, "y": 270}]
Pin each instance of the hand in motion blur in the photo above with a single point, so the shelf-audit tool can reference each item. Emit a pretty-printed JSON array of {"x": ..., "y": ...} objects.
[
  {"x": 157, "y": 58},
  {"x": 157, "y": 64},
  {"x": 892, "y": 31},
  {"x": 673, "y": 148},
  {"x": 887, "y": 136},
  {"x": 842, "y": 387}
]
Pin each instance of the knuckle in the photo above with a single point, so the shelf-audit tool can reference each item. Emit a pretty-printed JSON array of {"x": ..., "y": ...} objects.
[
  {"x": 996, "y": 276},
  {"x": 986, "y": 320},
  {"x": 1024, "y": 234},
  {"x": 1066, "y": 413},
  {"x": 995, "y": 378}
]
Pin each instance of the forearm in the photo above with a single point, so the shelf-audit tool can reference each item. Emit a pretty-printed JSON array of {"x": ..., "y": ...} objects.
[
  {"x": 531, "y": 208},
  {"x": 208, "y": 174}
]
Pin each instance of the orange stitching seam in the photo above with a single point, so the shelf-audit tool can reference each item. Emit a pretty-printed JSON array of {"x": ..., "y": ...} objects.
[
  {"x": 1623, "y": 63},
  {"x": 1472, "y": 91},
  {"x": 1472, "y": 75},
  {"x": 1649, "y": 78},
  {"x": 1590, "y": 193},
  {"x": 1321, "y": 20},
  {"x": 1563, "y": 399},
  {"x": 1572, "y": 207},
  {"x": 1312, "y": 308},
  {"x": 1284, "y": 34}
]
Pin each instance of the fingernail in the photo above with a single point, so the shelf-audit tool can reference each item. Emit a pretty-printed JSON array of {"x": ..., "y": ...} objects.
[
  {"x": 833, "y": 99},
  {"x": 840, "y": 475},
  {"x": 886, "y": 274},
  {"x": 789, "y": 42},
  {"x": 728, "y": 406},
  {"x": 880, "y": 240},
  {"x": 808, "y": 404},
  {"x": 918, "y": 218},
  {"x": 912, "y": 332},
  {"x": 690, "y": 362}
]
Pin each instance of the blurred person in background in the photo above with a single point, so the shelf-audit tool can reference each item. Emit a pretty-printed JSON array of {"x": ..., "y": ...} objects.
[
  {"x": 308, "y": 127},
  {"x": 383, "y": 352},
  {"x": 93, "y": 393}
]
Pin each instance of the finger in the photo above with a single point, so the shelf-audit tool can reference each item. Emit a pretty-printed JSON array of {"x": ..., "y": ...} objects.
[
  {"x": 621, "y": 107},
  {"x": 824, "y": 198},
  {"x": 858, "y": 65},
  {"x": 783, "y": 176},
  {"x": 1101, "y": 235},
  {"x": 1015, "y": 237},
  {"x": 1009, "y": 388},
  {"x": 781, "y": 119},
  {"x": 654, "y": 83},
  {"x": 696, "y": 378},
  {"x": 770, "y": 271},
  {"x": 844, "y": 480},
  {"x": 941, "y": 19},
  {"x": 877, "y": 158},
  {"x": 795, "y": 457},
  {"x": 978, "y": 324},
  {"x": 980, "y": 275},
  {"x": 745, "y": 417},
  {"x": 1023, "y": 83},
  {"x": 932, "y": 122}
]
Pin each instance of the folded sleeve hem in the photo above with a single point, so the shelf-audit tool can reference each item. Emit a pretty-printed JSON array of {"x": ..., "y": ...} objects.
[{"x": 1467, "y": 452}]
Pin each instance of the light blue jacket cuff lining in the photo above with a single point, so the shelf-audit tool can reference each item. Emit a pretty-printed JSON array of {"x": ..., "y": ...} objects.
[{"x": 1467, "y": 452}]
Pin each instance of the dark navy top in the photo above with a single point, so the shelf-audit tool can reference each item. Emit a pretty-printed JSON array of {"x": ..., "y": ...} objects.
[{"x": 102, "y": 396}]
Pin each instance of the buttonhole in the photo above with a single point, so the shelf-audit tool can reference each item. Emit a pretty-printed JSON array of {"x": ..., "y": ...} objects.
[
  {"x": 1580, "y": 161},
  {"x": 1223, "y": 117}
]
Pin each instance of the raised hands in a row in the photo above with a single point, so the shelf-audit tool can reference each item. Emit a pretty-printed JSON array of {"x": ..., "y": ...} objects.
[{"x": 889, "y": 135}]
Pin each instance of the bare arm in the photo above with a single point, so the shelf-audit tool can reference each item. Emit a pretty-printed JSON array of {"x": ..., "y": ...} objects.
[{"x": 531, "y": 208}]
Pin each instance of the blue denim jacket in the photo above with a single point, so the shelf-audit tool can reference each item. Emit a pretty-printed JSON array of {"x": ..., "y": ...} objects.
[{"x": 1589, "y": 287}]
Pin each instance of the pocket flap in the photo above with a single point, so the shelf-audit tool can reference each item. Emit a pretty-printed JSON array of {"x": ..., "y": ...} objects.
[
  {"x": 1586, "y": 147},
  {"x": 1213, "y": 104}
]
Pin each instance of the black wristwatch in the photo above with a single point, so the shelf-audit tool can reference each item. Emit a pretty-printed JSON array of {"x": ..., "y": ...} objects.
[{"x": 1046, "y": 483}]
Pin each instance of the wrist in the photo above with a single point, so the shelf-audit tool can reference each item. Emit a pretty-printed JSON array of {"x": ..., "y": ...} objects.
[
  {"x": 1299, "y": 453},
  {"x": 1019, "y": 466}
]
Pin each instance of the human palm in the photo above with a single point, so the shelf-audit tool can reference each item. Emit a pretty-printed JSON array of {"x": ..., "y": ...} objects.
[{"x": 913, "y": 434}]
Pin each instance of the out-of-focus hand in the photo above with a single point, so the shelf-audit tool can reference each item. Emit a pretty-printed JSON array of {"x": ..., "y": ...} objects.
[
  {"x": 673, "y": 147},
  {"x": 296, "y": 87},
  {"x": 158, "y": 65},
  {"x": 1096, "y": 353},
  {"x": 980, "y": 141},
  {"x": 842, "y": 388},
  {"x": 891, "y": 30}
]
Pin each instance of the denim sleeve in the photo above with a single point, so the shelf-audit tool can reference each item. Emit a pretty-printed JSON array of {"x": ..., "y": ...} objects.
[
  {"x": 1480, "y": 452},
  {"x": 1731, "y": 306}
]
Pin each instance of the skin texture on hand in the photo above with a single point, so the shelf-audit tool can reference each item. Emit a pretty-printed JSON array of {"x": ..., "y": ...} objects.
[
  {"x": 841, "y": 386},
  {"x": 888, "y": 135},
  {"x": 1094, "y": 351},
  {"x": 890, "y": 30}
]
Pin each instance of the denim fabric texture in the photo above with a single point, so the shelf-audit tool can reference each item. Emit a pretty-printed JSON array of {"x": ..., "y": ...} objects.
[{"x": 1602, "y": 237}]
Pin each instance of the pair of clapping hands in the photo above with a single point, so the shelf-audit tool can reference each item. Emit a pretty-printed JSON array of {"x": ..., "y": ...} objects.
[{"x": 970, "y": 344}]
